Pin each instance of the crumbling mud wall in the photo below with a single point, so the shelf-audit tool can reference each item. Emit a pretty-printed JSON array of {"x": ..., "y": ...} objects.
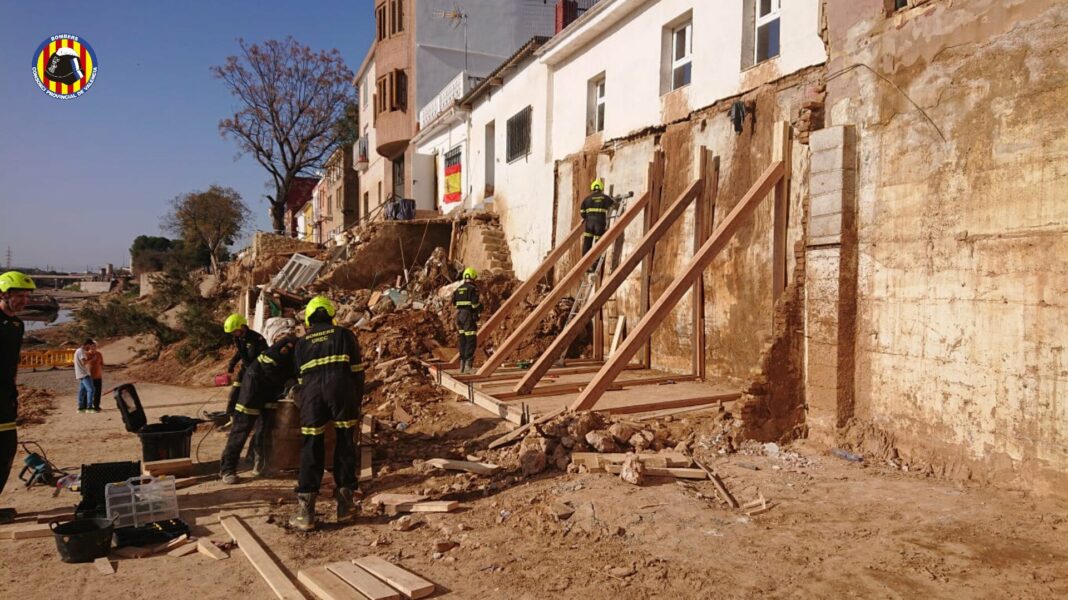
[
  {"x": 961, "y": 118},
  {"x": 384, "y": 250},
  {"x": 742, "y": 329}
]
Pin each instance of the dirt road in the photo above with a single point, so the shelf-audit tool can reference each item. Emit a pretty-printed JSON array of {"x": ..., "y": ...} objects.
[{"x": 834, "y": 529}]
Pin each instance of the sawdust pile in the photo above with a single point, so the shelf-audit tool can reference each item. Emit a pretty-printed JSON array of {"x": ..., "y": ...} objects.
[{"x": 34, "y": 405}]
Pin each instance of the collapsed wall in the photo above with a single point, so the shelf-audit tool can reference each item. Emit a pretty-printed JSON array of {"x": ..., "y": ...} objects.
[{"x": 958, "y": 114}]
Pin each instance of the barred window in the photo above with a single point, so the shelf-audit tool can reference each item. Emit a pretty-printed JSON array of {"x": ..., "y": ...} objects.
[{"x": 519, "y": 134}]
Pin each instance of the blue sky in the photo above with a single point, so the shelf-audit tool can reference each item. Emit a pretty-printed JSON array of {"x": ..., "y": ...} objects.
[{"x": 79, "y": 179}]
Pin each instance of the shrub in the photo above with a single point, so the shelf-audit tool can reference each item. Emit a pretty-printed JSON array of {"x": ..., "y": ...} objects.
[
  {"x": 203, "y": 329},
  {"x": 117, "y": 317}
]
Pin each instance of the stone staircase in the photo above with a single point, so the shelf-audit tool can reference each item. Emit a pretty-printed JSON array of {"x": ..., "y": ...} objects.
[{"x": 496, "y": 249}]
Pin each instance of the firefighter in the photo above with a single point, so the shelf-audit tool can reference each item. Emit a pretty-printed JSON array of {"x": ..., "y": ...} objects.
[
  {"x": 330, "y": 378},
  {"x": 247, "y": 346},
  {"x": 594, "y": 211},
  {"x": 261, "y": 385},
  {"x": 465, "y": 299},
  {"x": 15, "y": 291}
]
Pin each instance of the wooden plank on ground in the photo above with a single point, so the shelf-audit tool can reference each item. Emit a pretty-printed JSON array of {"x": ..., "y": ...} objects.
[
  {"x": 104, "y": 566},
  {"x": 395, "y": 499},
  {"x": 326, "y": 586},
  {"x": 205, "y": 547},
  {"x": 170, "y": 545},
  {"x": 185, "y": 549},
  {"x": 171, "y": 466},
  {"x": 478, "y": 468},
  {"x": 520, "y": 432},
  {"x": 56, "y": 514},
  {"x": 37, "y": 530},
  {"x": 629, "y": 409},
  {"x": 254, "y": 552},
  {"x": 409, "y": 584},
  {"x": 364, "y": 582},
  {"x": 663, "y": 460},
  {"x": 678, "y": 473},
  {"x": 435, "y": 506},
  {"x": 367, "y": 471},
  {"x": 720, "y": 487}
]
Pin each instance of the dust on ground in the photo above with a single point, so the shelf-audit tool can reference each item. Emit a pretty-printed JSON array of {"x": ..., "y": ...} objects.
[{"x": 834, "y": 528}]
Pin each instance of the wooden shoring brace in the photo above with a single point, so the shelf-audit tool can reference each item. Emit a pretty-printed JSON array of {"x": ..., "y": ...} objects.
[
  {"x": 528, "y": 286},
  {"x": 780, "y": 151},
  {"x": 573, "y": 276},
  {"x": 656, "y": 190},
  {"x": 609, "y": 287},
  {"x": 604, "y": 378},
  {"x": 704, "y": 208}
]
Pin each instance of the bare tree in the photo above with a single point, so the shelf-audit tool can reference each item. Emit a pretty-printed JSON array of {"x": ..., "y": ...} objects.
[
  {"x": 212, "y": 219},
  {"x": 290, "y": 101}
]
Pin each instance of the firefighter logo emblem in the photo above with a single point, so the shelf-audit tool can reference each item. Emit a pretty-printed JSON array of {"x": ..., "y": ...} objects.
[{"x": 64, "y": 66}]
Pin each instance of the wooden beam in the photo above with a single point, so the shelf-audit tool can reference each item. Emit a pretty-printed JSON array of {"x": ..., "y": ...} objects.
[
  {"x": 170, "y": 466},
  {"x": 479, "y": 398},
  {"x": 431, "y": 506},
  {"x": 477, "y": 468},
  {"x": 395, "y": 499},
  {"x": 780, "y": 151},
  {"x": 720, "y": 487},
  {"x": 528, "y": 286},
  {"x": 704, "y": 209},
  {"x": 205, "y": 547},
  {"x": 621, "y": 326},
  {"x": 663, "y": 472},
  {"x": 645, "y": 247},
  {"x": 261, "y": 561},
  {"x": 518, "y": 433},
  {"x": 327, "y": 586},
  {"x": 656, "y": 188},
  {"x": 364, "y": 582},
  {"x": 409, "y": 584},
  {"x": 667, "y": 301},
  {"x": 577, "y": 272},
  {"x": 665, "y": 404},
  {"x": 570, "y": 388}
]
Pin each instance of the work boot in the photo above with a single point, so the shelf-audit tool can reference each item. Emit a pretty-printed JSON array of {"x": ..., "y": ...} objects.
[
  {"x": 259, "y": 465},
  {"x": 229, "y": 478},
  {"x": 346, "y": 509},
  {"x": 304, "y": 520}
]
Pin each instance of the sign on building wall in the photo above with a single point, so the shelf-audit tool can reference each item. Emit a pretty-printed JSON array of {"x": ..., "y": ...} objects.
[{"x": 452, "y": 177}]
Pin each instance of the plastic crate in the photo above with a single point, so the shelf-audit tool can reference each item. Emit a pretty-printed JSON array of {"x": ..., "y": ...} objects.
[{"x": 141, "y": 500}]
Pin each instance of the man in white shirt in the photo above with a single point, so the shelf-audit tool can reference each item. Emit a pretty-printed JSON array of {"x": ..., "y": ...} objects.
[{"x": 83, "y": 373}]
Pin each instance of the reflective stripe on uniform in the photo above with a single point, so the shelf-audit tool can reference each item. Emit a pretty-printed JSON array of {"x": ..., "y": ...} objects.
[
  {"x": 235, "y": 384},
  {"x": 313, "y": 430},
  {"x": 267, "y": 360},
  {"x": 346, "y": 424},
  {"x": 248, "y": 411},
  {"x": 357, "y": 368},
  {"x": 326, "y": 360},
  {"x": 7, "y": 426},
  {"x": 597, "y": 210},
  {"x": 463, "y": 303},
  {"x": 463, "y": 332}
]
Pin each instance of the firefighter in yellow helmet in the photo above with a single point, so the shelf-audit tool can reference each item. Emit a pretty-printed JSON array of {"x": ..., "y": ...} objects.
[
  {"x": 15, "y": 291},
  {"x": 247, "y": 346},
  {"x": 465, "y": 299},
  {"x": 594, "y": 211},
  {"x": 330, "y": 378}
]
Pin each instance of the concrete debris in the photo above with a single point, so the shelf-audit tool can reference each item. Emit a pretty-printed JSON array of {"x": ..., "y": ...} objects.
[
  {"x": 562, "y": 510},
  {"x": 602, "y": 441},
  {"x": 633, "y": 470},
  {"x": 445, "y": 545},
  {"x": 533, "y": 454},
  {"x": 405, "y": 523}
]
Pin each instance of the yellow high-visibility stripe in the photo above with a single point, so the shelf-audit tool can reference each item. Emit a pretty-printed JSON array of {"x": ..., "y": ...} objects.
[
  {"x": 357, "y": 368},
  {"x": 346, "y": 424},
  {"x": 235, "y": 384},
  {"x": 267, "y": 360},
  {"x": 312, "y": 430},
  {"x": 326, "y": 360},
  {"x": 597, "y": 210},
  {"x": 248, "y": 411},
  {"x": 7, "y": 426}
]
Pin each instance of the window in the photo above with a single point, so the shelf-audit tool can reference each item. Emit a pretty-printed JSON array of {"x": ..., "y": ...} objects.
[
  {"x": 595, "y": 105},
  {"x": 380, "y": 21},
  {"x": 396, "y": 16},
  {"x": 681, "y": 55},
  {"x": 398, "y": 178},
  {"x": 896, "y": 5},
  {"x": 382, "y": 94},
  {"x": 392, "y": 92},
  {"x": 363, "y": 93},
  {"x": 767, "y": 29},
  {"x": 519, "y": 134},
  {"x": 400, "y": 91}
]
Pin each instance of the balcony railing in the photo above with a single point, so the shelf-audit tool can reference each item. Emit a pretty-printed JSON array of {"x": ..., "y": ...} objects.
[
  {"x": 456, "y": 89},
  {"x": 360, "y": 154}
]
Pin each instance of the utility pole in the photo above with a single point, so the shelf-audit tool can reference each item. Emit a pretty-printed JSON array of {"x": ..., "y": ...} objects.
[{"x": 457, "y": 16}]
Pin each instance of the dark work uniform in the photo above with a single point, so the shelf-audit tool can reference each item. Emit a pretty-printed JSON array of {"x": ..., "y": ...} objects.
[
  {"x": 261, "y": 385},
  {"x": 594, "y": 211},
  {"x": 11, "y": 330},
  {"x": 330, "y": 374},
  {"x": 465, "y": 299},
  {"x": 246, "y": 349}
]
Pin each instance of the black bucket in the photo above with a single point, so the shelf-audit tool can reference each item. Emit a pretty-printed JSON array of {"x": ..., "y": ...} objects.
[
  {"x": 83, "y": 540},
  {"x": 162, "y": 441}
]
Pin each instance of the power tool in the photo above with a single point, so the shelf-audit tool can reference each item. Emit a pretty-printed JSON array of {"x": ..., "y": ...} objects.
[{"x": 38, "y": 469}]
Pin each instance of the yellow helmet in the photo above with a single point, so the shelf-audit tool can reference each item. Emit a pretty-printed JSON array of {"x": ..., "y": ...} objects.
[
  {"x": 470, "y": 273},
  {"x": 14, "y": 280},
  {"x": 233, "y": 323},
  {"x": 315, "y": 304},
  {"x": 597, "y": 185}
]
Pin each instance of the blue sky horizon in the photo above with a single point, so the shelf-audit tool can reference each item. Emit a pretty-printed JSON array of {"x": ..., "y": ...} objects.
[{"x": 81, "y": 178}]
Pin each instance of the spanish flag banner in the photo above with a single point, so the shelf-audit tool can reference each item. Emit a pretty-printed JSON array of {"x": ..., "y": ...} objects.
[{"x": 452, "y": 184}]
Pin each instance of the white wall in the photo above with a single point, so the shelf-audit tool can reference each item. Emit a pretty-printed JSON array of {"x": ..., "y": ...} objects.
[
  {"x": 629, "y": 53},
  {"x": 378, "y": 173},
  {"x": 438, "y": 145}
]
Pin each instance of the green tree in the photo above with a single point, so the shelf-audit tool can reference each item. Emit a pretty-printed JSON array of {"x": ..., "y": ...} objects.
[
  {"x": 210, "y": 219},
  {"x": 290, "y": 100}
]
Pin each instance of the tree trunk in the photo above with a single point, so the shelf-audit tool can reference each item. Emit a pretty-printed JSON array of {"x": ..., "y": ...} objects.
[
  {"x": 278, "y": 216},
  {"x": 214, "y": 263}
]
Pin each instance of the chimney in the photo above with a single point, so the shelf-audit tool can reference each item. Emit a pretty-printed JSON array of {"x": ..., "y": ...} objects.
[{"x": 566, "y": 13}]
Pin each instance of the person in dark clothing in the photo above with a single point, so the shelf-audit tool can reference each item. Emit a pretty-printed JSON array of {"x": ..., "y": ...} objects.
[
  {"x": 247, "y": 346},
  {"x": 330, "y": 378},
  {"x": 15, "y": 290},
  {"x": 594, "y": 211},
  {"x": 261, "y": 385},
  {"x": 465, "y": 299}
]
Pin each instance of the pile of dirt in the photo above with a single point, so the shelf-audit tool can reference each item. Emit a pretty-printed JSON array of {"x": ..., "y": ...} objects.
[
  {"x": 402, "y": 333},
  {"x": 169, "y": 368},
  {"x": 34, "y": 405},
  {"x": 398, "y": 391}
]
